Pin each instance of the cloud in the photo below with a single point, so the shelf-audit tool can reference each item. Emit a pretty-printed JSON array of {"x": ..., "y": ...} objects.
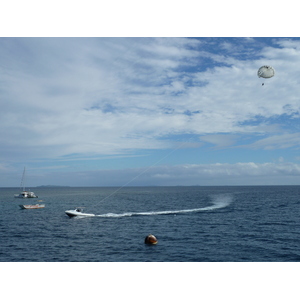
[
  {"x": 219, "y": 140},
  {"x": 224, "y": 173},
  {"x": 281, "y": 141},
  {"x": 89, "y": 97}
]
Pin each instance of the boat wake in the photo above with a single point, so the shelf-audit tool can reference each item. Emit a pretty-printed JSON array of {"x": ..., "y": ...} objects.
[{"x": 218, "y": 201}]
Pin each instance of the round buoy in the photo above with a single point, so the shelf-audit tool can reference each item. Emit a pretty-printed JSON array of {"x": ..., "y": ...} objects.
[{"x": 150, "y": 239}]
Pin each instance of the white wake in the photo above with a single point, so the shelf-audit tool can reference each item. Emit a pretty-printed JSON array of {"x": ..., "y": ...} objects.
[{"x": 218, "y": 201}]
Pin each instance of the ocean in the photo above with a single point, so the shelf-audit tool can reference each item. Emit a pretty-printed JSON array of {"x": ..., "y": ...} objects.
[{"x": 191, "y": 224}]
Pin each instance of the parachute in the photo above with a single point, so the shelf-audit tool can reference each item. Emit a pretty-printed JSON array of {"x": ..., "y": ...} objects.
[{"x": 266, "y": 72}]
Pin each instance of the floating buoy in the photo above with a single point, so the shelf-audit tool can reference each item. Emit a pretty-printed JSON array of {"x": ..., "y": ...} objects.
[{"x": 150, "y": 239}]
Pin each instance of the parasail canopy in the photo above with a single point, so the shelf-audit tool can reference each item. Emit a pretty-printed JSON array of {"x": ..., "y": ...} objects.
[{"x": 266, "y": 72}]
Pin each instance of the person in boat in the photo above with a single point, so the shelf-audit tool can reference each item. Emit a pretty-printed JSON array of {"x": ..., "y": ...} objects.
[{"x": 78, "y": 209}]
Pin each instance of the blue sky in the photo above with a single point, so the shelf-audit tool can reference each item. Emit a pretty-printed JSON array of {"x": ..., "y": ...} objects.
[{"x": 162, "y": 111}]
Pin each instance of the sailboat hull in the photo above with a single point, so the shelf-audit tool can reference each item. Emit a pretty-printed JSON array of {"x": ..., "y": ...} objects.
[{"x": 26, "y": 195}]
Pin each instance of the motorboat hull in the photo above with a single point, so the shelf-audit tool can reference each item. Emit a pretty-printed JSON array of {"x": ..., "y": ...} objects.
[
  {"x": 75, "y": 213},
  {"x": 34, "y": 206}
]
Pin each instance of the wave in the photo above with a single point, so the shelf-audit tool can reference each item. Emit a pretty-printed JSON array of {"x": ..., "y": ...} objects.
[{"x": 219, "y": 201}]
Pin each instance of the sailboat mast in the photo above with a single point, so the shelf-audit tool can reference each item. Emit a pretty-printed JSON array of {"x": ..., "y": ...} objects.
[{"x": 23, "y": 180}]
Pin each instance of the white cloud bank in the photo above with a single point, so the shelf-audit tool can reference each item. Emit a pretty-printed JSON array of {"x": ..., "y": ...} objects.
[{"x": 189, "y": 174}]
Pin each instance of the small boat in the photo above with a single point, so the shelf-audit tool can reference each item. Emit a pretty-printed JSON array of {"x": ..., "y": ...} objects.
[
  {"x": 24, "y": 193},
  {"x": 78, "y": 212},
  {"x": 31, "y": 206}
]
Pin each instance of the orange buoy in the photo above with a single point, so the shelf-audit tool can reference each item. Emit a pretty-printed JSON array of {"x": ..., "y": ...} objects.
[{"x": 150, "y": 239}]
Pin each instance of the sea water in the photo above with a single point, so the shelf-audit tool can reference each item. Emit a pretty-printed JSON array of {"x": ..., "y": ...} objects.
[{"x": 192, "y": 224}]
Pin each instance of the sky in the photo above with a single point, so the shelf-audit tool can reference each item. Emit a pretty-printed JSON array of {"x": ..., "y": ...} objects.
[{"x": 114, "y": 111}]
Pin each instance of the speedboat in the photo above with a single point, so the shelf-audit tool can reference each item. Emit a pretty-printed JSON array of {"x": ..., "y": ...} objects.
[
  {"x": 32, "y": 206},
  {"x": 78, "y": 212}
]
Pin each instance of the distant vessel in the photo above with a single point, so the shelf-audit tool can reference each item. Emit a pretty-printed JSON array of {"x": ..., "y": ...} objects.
[
  {"x": 32, "y": 206},
  {"x": 24, "y": 193},
  {"x": 78, "y": 212}
]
